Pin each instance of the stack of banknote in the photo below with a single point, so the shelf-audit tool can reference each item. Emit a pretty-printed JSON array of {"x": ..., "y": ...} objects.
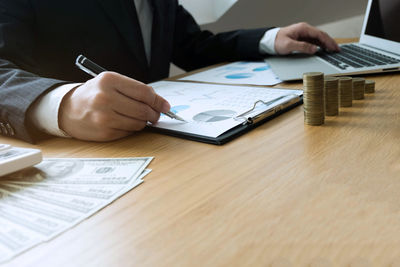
[{"x": 38, "y": 203}]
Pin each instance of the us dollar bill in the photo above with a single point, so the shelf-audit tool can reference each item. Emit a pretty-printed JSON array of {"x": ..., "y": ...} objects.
[
  {"x": 39, "y": 224},
  {"x": 14, "y": 238},
  {"x": 21, "y": 230},
  {"x": 105, "y": 192},
  {"x": 76, "y": 203},
  {"x": 51, "y": 211},
  {"x": 82, "y": 171},
  {"x": 5, "y": 254},
  {"x": 39, "y": 203}
]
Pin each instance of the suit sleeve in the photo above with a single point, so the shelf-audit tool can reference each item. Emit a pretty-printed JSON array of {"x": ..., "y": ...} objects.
[
  {"x": 194, "y": 48},
  {"x": 19, "y": 85}
]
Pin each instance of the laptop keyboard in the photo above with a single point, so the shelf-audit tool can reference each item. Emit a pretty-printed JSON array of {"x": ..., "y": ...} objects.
[{"x": 357, "y": 57}]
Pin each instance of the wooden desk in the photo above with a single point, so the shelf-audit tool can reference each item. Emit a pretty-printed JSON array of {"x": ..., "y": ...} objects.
[{"x": 284, "y": 194}]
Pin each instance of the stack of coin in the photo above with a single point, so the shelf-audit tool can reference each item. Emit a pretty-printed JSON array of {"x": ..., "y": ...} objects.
[
  {"x": 313, "y": 98},
  {"x": 369, "y": 86},
  {"x": 346, "y": 91},
  {"x": 331, "y": 96},
  {"x": 358, "y": 88}
]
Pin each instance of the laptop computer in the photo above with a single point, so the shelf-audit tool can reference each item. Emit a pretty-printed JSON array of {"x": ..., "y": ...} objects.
[{"x": 377, "y": 51}]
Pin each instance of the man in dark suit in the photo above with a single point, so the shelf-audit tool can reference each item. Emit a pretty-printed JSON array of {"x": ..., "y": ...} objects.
[{"x": 42, "y": 91}]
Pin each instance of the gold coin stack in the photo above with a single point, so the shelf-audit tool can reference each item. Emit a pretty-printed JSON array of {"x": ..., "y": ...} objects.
[
  {"x": 369, "y": 87},
  {"x": 358, "y": 88},
  {"x": 313, "y": 96},
  {"x": 346, "y": 91},
  {"x": 331, "y": 96}
]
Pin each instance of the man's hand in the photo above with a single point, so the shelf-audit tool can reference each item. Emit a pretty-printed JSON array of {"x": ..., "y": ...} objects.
[
  {"x": 303, "y": 38},
  {"x": 109, "y": 107}
]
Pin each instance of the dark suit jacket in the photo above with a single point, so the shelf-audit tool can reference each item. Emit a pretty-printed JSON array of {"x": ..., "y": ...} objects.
[{"x": 40, "y": 40}]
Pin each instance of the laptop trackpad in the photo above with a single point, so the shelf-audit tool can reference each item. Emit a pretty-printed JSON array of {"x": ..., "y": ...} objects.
[{"x": 292, "y": 67}]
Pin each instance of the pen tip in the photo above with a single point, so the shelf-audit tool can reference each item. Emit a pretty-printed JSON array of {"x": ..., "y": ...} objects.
[{"x": 179, "y": 118}]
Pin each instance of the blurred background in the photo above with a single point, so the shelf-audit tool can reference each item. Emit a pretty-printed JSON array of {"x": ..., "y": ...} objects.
[{"x": 339, "y": 18}]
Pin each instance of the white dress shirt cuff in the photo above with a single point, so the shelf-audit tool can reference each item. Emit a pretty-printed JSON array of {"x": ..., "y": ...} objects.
[
  {"x": 44, "y": 112},
  {"x": 267, "y": 43}
]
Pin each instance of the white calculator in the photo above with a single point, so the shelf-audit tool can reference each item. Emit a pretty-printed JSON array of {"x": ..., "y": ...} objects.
[{"x": 17, "y": 158}]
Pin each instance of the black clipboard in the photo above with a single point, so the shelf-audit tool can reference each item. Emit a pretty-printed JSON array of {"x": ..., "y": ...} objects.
[{"x": 250, "y": 123}]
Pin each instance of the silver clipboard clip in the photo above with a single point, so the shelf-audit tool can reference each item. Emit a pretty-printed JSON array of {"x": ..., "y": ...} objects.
[{"x": 269, "y": 112}]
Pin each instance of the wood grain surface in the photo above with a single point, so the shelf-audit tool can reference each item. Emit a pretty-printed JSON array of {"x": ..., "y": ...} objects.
[{"x": 284, "y": 194}]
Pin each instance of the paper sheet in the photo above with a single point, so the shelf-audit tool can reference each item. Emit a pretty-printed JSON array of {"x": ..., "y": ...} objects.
[
  {"x": 243, "y": 72},
  {"x": 210, "y": 109}
]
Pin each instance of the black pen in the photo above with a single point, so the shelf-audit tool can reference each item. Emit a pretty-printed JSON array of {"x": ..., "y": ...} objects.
[{"x": 93, "y": 69}]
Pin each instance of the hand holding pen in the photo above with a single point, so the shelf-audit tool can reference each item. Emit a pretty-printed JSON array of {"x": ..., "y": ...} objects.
[
  {"x": 93, "y": 69},
  {"x": 108, "y": 107}
]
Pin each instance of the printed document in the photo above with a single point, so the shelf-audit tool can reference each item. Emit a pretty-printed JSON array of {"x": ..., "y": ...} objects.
[
  {"x": 242, "y": 72},
  {"x": 212, "y": 109}
]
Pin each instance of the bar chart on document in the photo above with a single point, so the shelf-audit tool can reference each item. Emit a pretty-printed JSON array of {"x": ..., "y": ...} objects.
[{"x": 242, "y": 72}]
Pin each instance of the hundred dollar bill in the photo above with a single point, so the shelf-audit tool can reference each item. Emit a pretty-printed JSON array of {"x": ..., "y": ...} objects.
[
  {"x": 38, "y": 207},
  {"x": 16, "y": 238},
  {"x": 144, "y": 173},
  {"x": 5, "y": 254},
  {"x": 104, "y": 192},
  {"x": 29, "y": 216},
  {"x": 82, "y": 171},
  {"x": 72, "y": 202},
  {"x": 39, "y": 224}
]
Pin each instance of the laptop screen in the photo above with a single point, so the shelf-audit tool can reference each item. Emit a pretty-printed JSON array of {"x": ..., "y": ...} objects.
[{"x": 383, "y": 20}]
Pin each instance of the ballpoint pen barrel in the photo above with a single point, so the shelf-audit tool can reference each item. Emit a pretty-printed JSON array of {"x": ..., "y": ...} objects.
[{"x": 89, "y": 65}]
